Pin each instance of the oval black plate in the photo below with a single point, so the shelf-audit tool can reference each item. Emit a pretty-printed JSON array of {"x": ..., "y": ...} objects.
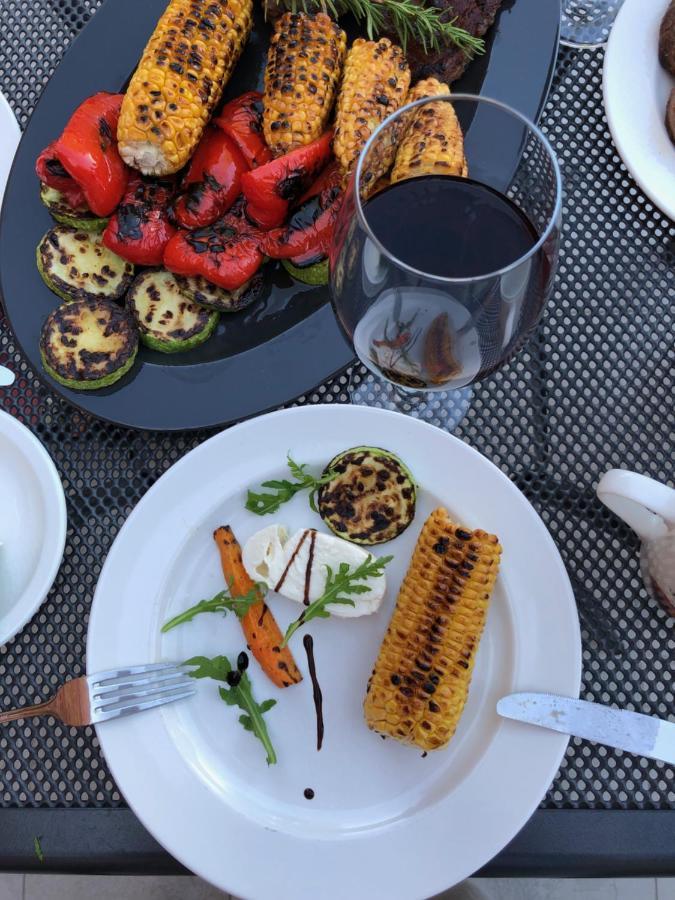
[{"x": 285, "y": 345}]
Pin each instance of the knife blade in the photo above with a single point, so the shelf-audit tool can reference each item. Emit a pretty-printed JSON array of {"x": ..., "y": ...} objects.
[{"x": 634, "y": 732}]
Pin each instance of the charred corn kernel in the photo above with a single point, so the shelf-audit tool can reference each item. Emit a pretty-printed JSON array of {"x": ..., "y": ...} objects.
[
  {"x": 420, "y": 682},
  {"x": 179, "y": 81},
  {"x": 374, "y": 85},
  {"x": 432, "y": 143},
  {"x": 304, "y": 63}
]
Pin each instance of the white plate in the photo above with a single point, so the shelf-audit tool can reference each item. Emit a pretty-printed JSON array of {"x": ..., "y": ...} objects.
[
  {"x": 32, "y": 525},
  {"x": 9, "y": 129},
  {"x": 385, "y": 822},
  {"x": 636, "y": 90}
]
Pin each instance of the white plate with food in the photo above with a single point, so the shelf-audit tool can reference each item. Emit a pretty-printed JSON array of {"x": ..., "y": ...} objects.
[
  {"x": 32, "y": 525},
  {"x": 637, "y": 89},
  {"x": 362, "y": 816}
]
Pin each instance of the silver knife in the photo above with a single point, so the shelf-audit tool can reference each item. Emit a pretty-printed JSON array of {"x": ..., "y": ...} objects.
[{"x": 620, "y": 728}]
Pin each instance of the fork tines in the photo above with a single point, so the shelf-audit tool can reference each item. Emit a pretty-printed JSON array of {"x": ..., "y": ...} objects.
[{"x": 120, "y": 692}]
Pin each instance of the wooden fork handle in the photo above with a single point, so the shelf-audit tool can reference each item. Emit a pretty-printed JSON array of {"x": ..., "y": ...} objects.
[{"x": 27, "y": 712}]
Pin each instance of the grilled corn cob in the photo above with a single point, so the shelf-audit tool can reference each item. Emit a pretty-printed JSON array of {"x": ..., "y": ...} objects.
[
  {"x": 374, "y": 85},
  {"x": 427, "y": 87},
  {"x": 179, "y": 81},
  {"x": 433, "y": 143},
  {"x": 420, "y": 682},
  {"x": 304, "y": 63}
]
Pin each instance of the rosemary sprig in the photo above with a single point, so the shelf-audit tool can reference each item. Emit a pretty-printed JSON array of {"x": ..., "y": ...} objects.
[
  {"x": 409, "y": 19},
  {"x": 338, "y": 585},
  {"x": 223, "y": 602},
  {"x": 283, "y": 490},
  {"x": 238, "y": 692}
]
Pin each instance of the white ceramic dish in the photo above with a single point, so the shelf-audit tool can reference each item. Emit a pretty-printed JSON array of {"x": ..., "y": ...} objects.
[
  {"x": 9, "y": 129},
  {"x": 32, "y": 525},
  {"x": 384, "y": 822},
  {"x": 636, "y": 91}
]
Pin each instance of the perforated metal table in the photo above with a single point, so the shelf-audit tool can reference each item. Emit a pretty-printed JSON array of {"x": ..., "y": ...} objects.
[{"x": 593, "y": 390}]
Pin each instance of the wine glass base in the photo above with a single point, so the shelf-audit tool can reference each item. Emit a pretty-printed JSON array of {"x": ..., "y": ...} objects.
[
  {"x": 587, "y": 23},
  {"x": 445, "y": 409}
]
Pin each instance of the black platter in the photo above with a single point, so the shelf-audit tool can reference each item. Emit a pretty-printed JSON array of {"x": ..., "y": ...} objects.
[{"x": 284, "y": 345}]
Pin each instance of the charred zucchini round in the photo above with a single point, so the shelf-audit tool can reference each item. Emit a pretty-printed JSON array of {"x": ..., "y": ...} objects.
[
  {"x": 314, "y": 273},
  {"x": 167, "y": 321},
  {"x": 203, "y": 292},
  {"x": 88, "y": 344},
  {"x": 59, "y": 208},
  {"x": 371, "y": 499},
  {"x": 75, "y": 265}
]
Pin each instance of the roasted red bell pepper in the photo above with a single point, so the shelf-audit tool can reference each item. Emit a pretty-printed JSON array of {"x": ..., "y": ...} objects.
[
  {"x": 87, "y": 149},
  {"x": 227, "y": 253},
  {"x": 328, "y": 186},
  {"x": 140, "y": 229},
  {"x": 307, "y": 234},
  {"x": 212, "y": 183},
  {"x": 241, "y": 120},
  {"x": 270, "y": 189},
  {"x": 50, "y": 171}
]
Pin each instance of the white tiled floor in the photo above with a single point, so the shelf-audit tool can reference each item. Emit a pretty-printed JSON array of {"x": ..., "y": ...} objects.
[{"x": 68, "y": 887}]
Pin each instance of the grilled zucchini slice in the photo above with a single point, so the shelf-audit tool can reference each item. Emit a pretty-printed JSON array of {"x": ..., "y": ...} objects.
[
  {"x": 59, "y": 208},
  {"x": 371, "y": 499},
  {"x": 167, "y": 321},
  {"x": 314, "y": 273},
  {"x": 88, "y": 344},
  {"x": 76, "y": 266},
  {"x": 198, "y": 290}
]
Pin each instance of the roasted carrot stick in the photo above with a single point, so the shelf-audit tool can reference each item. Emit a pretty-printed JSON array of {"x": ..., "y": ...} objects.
[{"x": 260, "y": 628}]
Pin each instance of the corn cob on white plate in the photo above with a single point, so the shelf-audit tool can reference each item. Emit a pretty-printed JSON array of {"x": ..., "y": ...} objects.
[{"x": 384, "y": 822}]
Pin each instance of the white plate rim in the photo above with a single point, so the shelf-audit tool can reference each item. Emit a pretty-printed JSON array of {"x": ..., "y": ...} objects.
[
  {"x": 45, "y": 471},
  {"x": 626, "y": 75},
  {"x": 177, "y": 836},
  {"x": 11, "y": 134}
]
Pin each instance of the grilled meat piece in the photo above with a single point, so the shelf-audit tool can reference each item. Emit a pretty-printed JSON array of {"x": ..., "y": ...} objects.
[
  {"x": 449, "y": 63},
  {"x": 667, "y": 40},
  {"x": 670, "y": 116}
]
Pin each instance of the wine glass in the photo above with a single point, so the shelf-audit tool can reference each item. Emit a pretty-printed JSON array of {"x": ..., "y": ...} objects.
[
  {"x": 438, "y": 280},
  {"x": 587, "y": 23}
]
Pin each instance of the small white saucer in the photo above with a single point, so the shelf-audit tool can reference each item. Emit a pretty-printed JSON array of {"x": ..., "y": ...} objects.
[{"x": 32, "y": 525}]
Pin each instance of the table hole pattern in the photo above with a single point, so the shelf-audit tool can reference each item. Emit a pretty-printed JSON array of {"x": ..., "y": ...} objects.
[{"x": 592, "y": 390}]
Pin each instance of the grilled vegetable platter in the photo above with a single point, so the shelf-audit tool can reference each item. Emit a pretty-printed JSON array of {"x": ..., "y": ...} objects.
[
  {"x": 197, "y": 187},
  {"x": 353, "y": 591}
]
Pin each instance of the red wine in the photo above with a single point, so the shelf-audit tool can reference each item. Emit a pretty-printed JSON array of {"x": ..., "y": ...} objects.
[
  {"x": 426, "y": 333},
  {"x": 448, "y": 226}
]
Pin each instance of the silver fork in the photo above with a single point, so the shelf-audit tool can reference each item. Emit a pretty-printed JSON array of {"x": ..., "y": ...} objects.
[{"x": 109, "y": 695}]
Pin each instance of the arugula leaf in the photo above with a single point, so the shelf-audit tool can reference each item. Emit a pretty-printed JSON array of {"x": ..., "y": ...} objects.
[
  {"x": 216, "y": 668},
  {"x": 338, "y": 585},
  {"x": 283, "y": 490},
  {"x": 238, "y": 692},
  {"x": 37, "y": 847},
  {"x": 223, "y": 602}
]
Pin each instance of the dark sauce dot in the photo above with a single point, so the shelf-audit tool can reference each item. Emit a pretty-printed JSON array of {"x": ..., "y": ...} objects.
[{"x": 309, "y": 794}]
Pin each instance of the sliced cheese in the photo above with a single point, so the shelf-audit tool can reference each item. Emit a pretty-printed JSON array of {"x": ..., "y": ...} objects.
[{"x": 297, "y": 567}]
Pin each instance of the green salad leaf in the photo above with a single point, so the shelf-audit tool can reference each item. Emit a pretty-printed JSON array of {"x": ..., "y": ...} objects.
[
  {"x": 282, "y": 490},
  {"x": 238, "y": 692},
  {"x": 338, "y": 587},
  {"x": 223, "y": 602}
]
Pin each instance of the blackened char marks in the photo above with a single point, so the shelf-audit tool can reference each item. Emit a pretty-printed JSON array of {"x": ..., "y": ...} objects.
[{"x": 449, "y": 63}]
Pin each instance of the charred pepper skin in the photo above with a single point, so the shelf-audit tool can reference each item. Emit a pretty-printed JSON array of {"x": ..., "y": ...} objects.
[
  {"x": 140, "y": 229},
  {"x": 271, "y": 189},
  {"x": 241, "y": 120},
  {"x": 212, "y": 182},
  {"x": 87, "y": 150},
  {"x": 226, "y": 253}
]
